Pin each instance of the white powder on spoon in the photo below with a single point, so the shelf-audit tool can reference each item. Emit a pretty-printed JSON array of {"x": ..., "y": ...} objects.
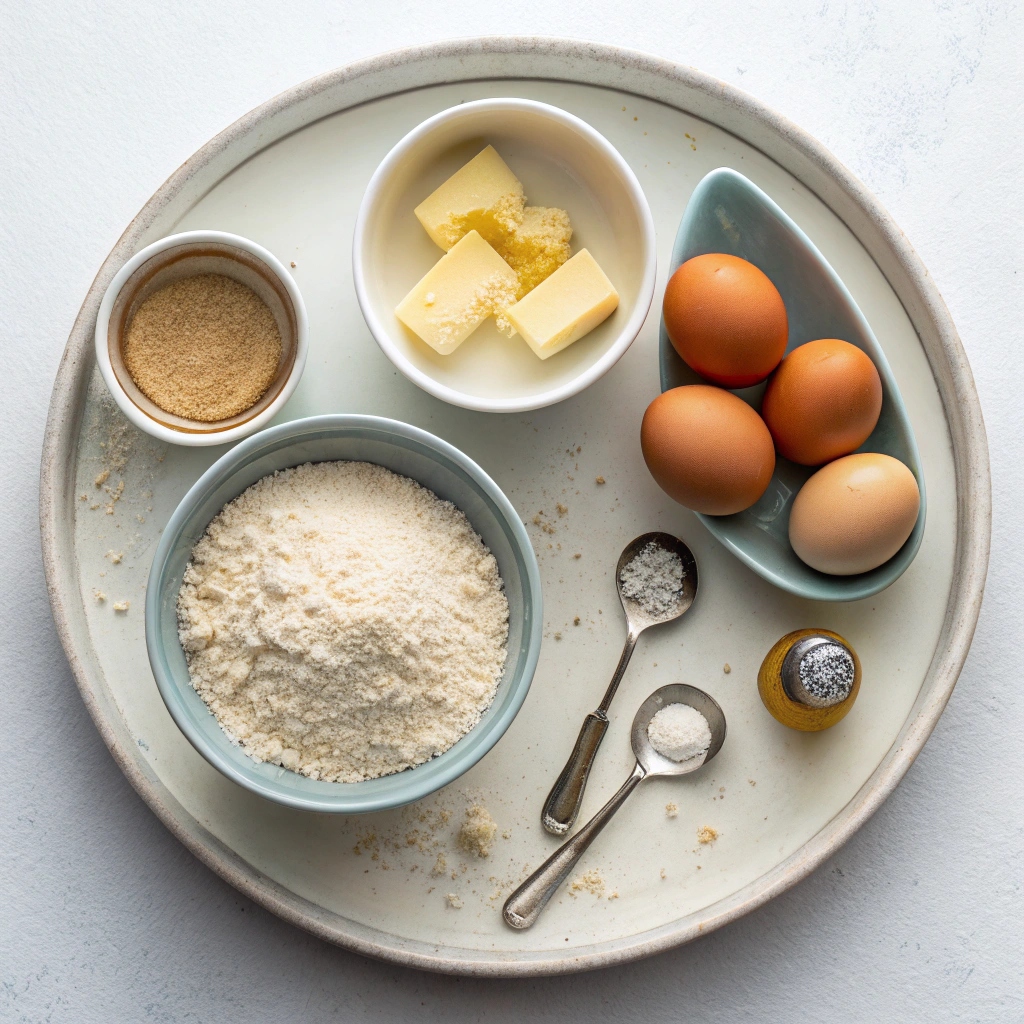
[
  {"x": 653, "y": 578},
  {"x": 679, "y": 732},
  {"x": 343, "y": 622}
]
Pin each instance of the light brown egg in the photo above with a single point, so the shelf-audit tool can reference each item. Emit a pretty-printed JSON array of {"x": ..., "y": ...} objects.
[
  {"x": 707, "y": 449},
  {"x": 726, "y": 319},
  {"x": 854, "y": 514},
  {"x": 822, "y": 402}
]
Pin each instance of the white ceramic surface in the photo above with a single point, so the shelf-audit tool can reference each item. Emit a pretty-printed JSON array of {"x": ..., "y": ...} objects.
[
  {"x": 322, "y": 141},
  {"x": 200, "y": 237},
  {"x": 562, "y": 161}
]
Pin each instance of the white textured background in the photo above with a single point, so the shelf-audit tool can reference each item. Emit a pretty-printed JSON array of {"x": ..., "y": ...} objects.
[{"x": 104, "y": 917}]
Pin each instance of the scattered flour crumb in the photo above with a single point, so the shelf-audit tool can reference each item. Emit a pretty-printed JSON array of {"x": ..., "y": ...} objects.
[
  {"x": 121, "y": 606},
  {"x": 115, "y": 556},
  {"x": 100, "y": 596},
  {"x": 599, "y": 480},
  {"x": 440, "y": 866},
  {"x": 592, "y": 882},
  {"x": 115, "y": 494},
  {"x": 671, "y": 810},
  {"x": 706, "y": 834},
  {"x": 727, "y": 668},
  {"x": 561, "y": 509},
  {"x": 102, "y": 478},
  {"x": 477, "y": 831},
  {"x": 454, "y": 901}
]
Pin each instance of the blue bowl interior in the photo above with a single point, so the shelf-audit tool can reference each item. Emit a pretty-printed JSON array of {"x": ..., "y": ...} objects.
[
  {"x": 402, "y": 449},
  {"x": 728, "y": 213}
]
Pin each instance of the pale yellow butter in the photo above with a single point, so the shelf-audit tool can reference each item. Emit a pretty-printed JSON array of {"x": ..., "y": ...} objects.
[
  {"x": 564, "y": 307},
  {"x": 466, "y": 286},
  {"x": 483, "y": 196}
]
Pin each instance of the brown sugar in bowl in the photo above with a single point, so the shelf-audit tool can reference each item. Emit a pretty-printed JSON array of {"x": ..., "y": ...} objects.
[{"x": 174, "y": 259}]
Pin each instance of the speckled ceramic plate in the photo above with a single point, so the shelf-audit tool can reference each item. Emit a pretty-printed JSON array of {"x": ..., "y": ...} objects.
[{"x": 290, "y": 176}]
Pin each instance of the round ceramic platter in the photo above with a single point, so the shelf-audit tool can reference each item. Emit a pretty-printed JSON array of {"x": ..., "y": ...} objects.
[{"x": 290, "y": 175}]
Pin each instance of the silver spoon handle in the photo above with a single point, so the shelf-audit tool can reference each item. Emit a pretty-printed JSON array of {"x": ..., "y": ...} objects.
[
  {"x": 523, "y": 907},
  {"x": 563, "y": 803}
]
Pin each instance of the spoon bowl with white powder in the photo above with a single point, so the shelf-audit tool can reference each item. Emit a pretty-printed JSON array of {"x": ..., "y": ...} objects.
[
  {"x": 676, "y": 731},
  {"x": 657, "y": 580}
]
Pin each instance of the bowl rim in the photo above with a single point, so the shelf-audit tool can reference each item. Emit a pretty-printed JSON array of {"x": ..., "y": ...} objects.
[
  {"x": 648, "y": 238},
  {"x": 136, "y": 415},
  {"x": 343, "y": 802}
]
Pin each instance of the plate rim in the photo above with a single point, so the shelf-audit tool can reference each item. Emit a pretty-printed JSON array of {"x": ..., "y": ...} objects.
[{"x": 603, "y": 66}]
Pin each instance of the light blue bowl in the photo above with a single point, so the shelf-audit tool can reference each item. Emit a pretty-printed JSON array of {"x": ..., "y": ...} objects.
[
  {"x": 403, "y": 449},
  {"x": 728, "y": 213}
]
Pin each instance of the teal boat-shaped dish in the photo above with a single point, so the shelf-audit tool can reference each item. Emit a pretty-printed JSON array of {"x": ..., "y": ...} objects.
[{"x": 727, "y": 213}]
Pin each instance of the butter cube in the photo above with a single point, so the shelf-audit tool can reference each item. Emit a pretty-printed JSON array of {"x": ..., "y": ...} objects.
[
  {"x": 483, "y": 196},
  {"x": 466, "y": 286},
  {"x": 564, "y": 307}
]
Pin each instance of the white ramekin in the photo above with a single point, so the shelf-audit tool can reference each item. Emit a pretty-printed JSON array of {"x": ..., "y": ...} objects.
[
  {"x": 202, "y": 252},
  {"x": 389, "y": 255}
]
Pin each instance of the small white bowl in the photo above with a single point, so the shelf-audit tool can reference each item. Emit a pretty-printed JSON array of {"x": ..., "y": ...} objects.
[
  {"x": 176, "y": 257},
  {"x": 561, "y": 162}
]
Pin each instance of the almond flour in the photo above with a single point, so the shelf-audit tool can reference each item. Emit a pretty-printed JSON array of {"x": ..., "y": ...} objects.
[{"x": 343, "y": 622}]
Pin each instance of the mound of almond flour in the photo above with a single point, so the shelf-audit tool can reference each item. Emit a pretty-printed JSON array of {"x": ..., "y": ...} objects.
[{"x": 343, "y": 622}]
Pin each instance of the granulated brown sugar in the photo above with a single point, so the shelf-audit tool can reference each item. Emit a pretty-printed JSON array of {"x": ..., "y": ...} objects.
[{"x": 205, "y": 348}]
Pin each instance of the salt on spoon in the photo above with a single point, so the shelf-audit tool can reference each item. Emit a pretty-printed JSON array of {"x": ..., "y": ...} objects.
[
  {"x": 524, "y": 906},
  {"x": 679, "y": 732}
]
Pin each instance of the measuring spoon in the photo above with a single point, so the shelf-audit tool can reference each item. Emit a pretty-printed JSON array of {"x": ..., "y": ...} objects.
[
  {"x": 523, "y": 907},
  {"x": 563, "y": 802}
]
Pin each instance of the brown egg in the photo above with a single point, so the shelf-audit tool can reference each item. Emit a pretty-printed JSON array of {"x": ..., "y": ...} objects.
[
  {"x": 854, "y": 514},
  {"x": 707, "y": 449},
  {"x": 822, "y": 402},
  {"x": 725, "y": 319}
]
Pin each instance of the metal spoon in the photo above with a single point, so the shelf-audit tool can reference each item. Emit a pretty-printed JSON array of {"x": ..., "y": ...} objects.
[
  {"x": 563, "y": 802},
  {"x": 523, "y": 907}
]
